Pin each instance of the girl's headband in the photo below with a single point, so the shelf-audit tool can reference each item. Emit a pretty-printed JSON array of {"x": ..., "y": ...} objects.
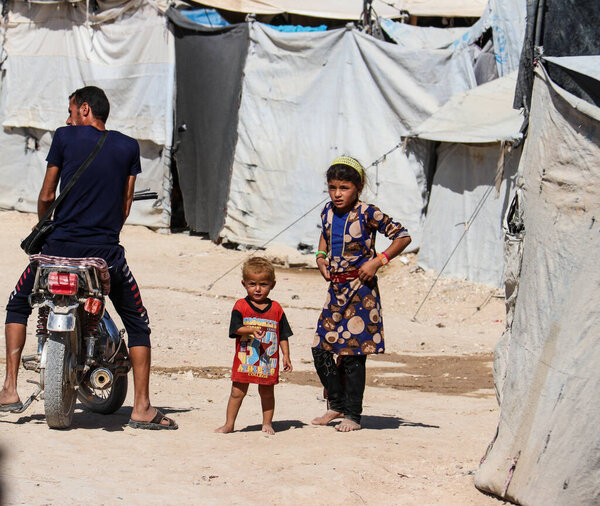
[{"x": 350, "y": 162}]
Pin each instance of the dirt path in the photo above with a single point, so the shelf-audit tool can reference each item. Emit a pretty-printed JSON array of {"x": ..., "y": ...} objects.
[{"x": 429, "y": 410}]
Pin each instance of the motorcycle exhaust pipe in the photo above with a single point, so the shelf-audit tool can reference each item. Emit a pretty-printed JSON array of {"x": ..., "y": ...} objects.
[{"x": 101, "y": 378}]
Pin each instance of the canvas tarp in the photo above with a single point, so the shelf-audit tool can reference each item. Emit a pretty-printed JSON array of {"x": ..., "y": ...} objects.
[
  {"x": 210, "y": 63},
  {"x": 471, "y": 191},
  {"x": 565, "y": 28},
  {"x": 506, "y": 18},
  {"x": 53, "y": 50},
  {"x": 476, "y": 178},
  {"x": 421, "y": 37},
  {"x": 585, "y": 65},
  {"x": 546, "y": 447},
  {"x": 482, "y": 114},
  {"x": 310, "y": 97},
  {"x": 352, "y": 9}
]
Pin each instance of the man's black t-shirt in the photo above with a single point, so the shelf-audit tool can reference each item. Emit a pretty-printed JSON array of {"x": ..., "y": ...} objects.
[{"x": 92, "y": 211}]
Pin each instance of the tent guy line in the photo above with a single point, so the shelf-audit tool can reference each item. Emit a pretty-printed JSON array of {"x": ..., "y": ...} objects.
[
  {"x": 468, "y": 223},
  {"x": 263, "y": 246}
]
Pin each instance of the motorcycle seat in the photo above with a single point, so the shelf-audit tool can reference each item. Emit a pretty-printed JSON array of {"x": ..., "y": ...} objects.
[{"x": 99, "y": 264}]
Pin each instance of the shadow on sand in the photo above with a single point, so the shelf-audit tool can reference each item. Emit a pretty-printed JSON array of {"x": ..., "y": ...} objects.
[
  {"x": 84, "y": 419},
  {"x": 390, "y": 422},
  {"x": 279, "y": 426}
]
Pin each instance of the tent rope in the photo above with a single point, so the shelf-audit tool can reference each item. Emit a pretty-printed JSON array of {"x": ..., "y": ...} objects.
[
  {"x": 376, "y": 162},
  {"x": 468, "y": 223}
]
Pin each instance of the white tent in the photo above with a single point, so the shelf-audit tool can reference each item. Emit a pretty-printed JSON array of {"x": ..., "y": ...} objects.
[
  {"x": 51, "y": 50},
  {"x": 308, "y": 97},
  {"x": 482, "y": 114},
  {"x": 473, "y": 181},
  {"x": 546, "y": 369}
]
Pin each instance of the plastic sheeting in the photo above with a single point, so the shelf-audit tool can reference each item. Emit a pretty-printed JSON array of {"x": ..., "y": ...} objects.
[
  {"x": 482, "y": 114},
  {"x": 506, "y": 18},
  {"x": 471, "y": 191},
  {"x": 586, "y": 65},
  {"x": 208, "y": 17},
  {"x": 210, "y": 65},
  {"x": 132, "y": 60},
  {"x": 307, "y": 98},
  {"x": 352, "y": 9},
  {"x": 51, "y": 52},
  {"x": 421, "y": 37},
  {"x": 546, "y": 447},
  {"x": 566, "y": 28}
]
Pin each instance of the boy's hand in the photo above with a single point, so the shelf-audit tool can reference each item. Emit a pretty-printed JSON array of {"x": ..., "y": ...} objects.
[
  {"x": 287, "y": 364},
  {"x": 259, "y": 332}
]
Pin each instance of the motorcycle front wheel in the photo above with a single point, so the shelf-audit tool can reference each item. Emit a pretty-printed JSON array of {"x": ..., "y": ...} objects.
[
  {"x": 59, "y": 382},
  {"x": 105, "y": 401}
]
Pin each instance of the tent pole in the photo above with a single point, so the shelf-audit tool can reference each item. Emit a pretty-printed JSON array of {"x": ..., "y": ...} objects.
[{"x": 539, "y": 20}]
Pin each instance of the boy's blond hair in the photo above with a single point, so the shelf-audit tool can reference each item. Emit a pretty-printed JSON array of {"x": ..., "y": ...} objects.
[{"x": 257, "y": 265}]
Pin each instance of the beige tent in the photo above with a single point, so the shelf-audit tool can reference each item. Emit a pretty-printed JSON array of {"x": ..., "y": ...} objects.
[{"x": 352, "y": 9}]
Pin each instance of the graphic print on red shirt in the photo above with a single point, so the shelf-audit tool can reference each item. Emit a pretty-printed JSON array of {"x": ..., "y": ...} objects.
[{"x": 257, "y": 360}]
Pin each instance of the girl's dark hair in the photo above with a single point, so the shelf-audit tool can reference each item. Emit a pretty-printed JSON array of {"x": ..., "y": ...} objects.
[{"x": 344, "y": 172}]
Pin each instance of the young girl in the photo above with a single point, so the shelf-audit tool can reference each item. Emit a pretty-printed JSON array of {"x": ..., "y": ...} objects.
[{"x": 350, "y": 325}]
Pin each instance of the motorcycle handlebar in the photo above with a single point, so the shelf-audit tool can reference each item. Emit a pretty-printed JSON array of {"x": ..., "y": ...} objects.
[{"x": 145, "y": 195}]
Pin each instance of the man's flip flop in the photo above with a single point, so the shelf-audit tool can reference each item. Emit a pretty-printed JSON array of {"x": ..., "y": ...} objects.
[
  {"x": 15, "y": 406},
  {"x": 155, "y": 423}
]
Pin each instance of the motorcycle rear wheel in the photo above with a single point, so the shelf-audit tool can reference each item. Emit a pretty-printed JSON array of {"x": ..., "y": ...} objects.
[
  {"x": 106, "y": 401},
  {"x": 59, "y": 383}
]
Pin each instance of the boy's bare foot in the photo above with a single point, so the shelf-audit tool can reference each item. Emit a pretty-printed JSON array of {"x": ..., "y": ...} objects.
[
  {"x": 225, "y": 429},
  {"x": 327, "y": 417},
  {"x": 268, "y": 428},
  {"x": 347, "y": 425}
]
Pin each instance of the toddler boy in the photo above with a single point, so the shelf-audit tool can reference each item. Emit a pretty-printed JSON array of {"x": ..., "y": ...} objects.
[{"x": 260, "y": 328}]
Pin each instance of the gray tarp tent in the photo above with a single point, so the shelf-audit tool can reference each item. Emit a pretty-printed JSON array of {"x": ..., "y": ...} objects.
[
  {"x": 546, "y": 447},
  {"x": 309, "y": 97},
  {"x": 546, "y": 366},
  {"x": 51, "y": 50},
  {"x": 473, "y": 182},
  {"x": 210, "y": 64}
]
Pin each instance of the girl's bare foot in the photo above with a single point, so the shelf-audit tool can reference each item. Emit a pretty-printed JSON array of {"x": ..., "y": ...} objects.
[
  {"x": 327, "y": 417},
  {"x": 347, "y": 425},
  {"x": 268, "y": 428},
  {"x": 225, "y": 429}
]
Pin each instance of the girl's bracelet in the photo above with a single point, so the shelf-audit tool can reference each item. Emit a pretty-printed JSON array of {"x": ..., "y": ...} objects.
[
  {"x": 384, "y": 258},
  {"x": 324, "y": 253}
]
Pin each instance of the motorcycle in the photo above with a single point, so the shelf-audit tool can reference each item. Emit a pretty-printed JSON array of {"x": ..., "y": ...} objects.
[{"x": 80, "y": 354}]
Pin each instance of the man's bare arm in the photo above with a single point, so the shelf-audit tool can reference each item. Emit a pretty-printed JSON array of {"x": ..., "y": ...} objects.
[
  {"x": 48, "y": 191},
  {"x": 128, "y": 196}
]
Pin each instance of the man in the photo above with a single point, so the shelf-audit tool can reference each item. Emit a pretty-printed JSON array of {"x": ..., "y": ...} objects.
[{"x": 88, "y": 224}]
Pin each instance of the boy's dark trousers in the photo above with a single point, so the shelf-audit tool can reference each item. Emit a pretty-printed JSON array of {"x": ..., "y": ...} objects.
[{"x": 345, "y": 394}]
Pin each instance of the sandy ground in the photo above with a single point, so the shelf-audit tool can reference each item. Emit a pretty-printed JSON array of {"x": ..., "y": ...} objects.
[{"x": 429, "y": 410}]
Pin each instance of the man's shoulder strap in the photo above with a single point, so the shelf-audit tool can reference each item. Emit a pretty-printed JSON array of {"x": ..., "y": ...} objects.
[{"x": 76, "y": 176}]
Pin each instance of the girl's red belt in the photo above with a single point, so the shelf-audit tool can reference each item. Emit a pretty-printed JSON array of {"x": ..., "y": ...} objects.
[{"x": 343, "y": 276}]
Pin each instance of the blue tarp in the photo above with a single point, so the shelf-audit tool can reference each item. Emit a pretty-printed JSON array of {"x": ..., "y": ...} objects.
[
  {"x": 209, "y": 17},
  {"x": 298, "y": 28}
]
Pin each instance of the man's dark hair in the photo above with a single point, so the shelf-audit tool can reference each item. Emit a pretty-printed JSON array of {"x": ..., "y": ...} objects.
[{"x": 95, "y": 98}]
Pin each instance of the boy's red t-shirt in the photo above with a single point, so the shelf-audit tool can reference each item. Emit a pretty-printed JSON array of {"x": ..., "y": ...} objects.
[{"x": 257, "y": 360}]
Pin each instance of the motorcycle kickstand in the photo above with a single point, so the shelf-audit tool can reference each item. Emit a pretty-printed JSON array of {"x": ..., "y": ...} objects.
[{"x": 33, "y": 397}]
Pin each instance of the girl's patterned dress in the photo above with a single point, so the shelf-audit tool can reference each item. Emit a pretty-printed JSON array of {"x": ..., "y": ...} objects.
[{"x": 351, "y": 323}]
